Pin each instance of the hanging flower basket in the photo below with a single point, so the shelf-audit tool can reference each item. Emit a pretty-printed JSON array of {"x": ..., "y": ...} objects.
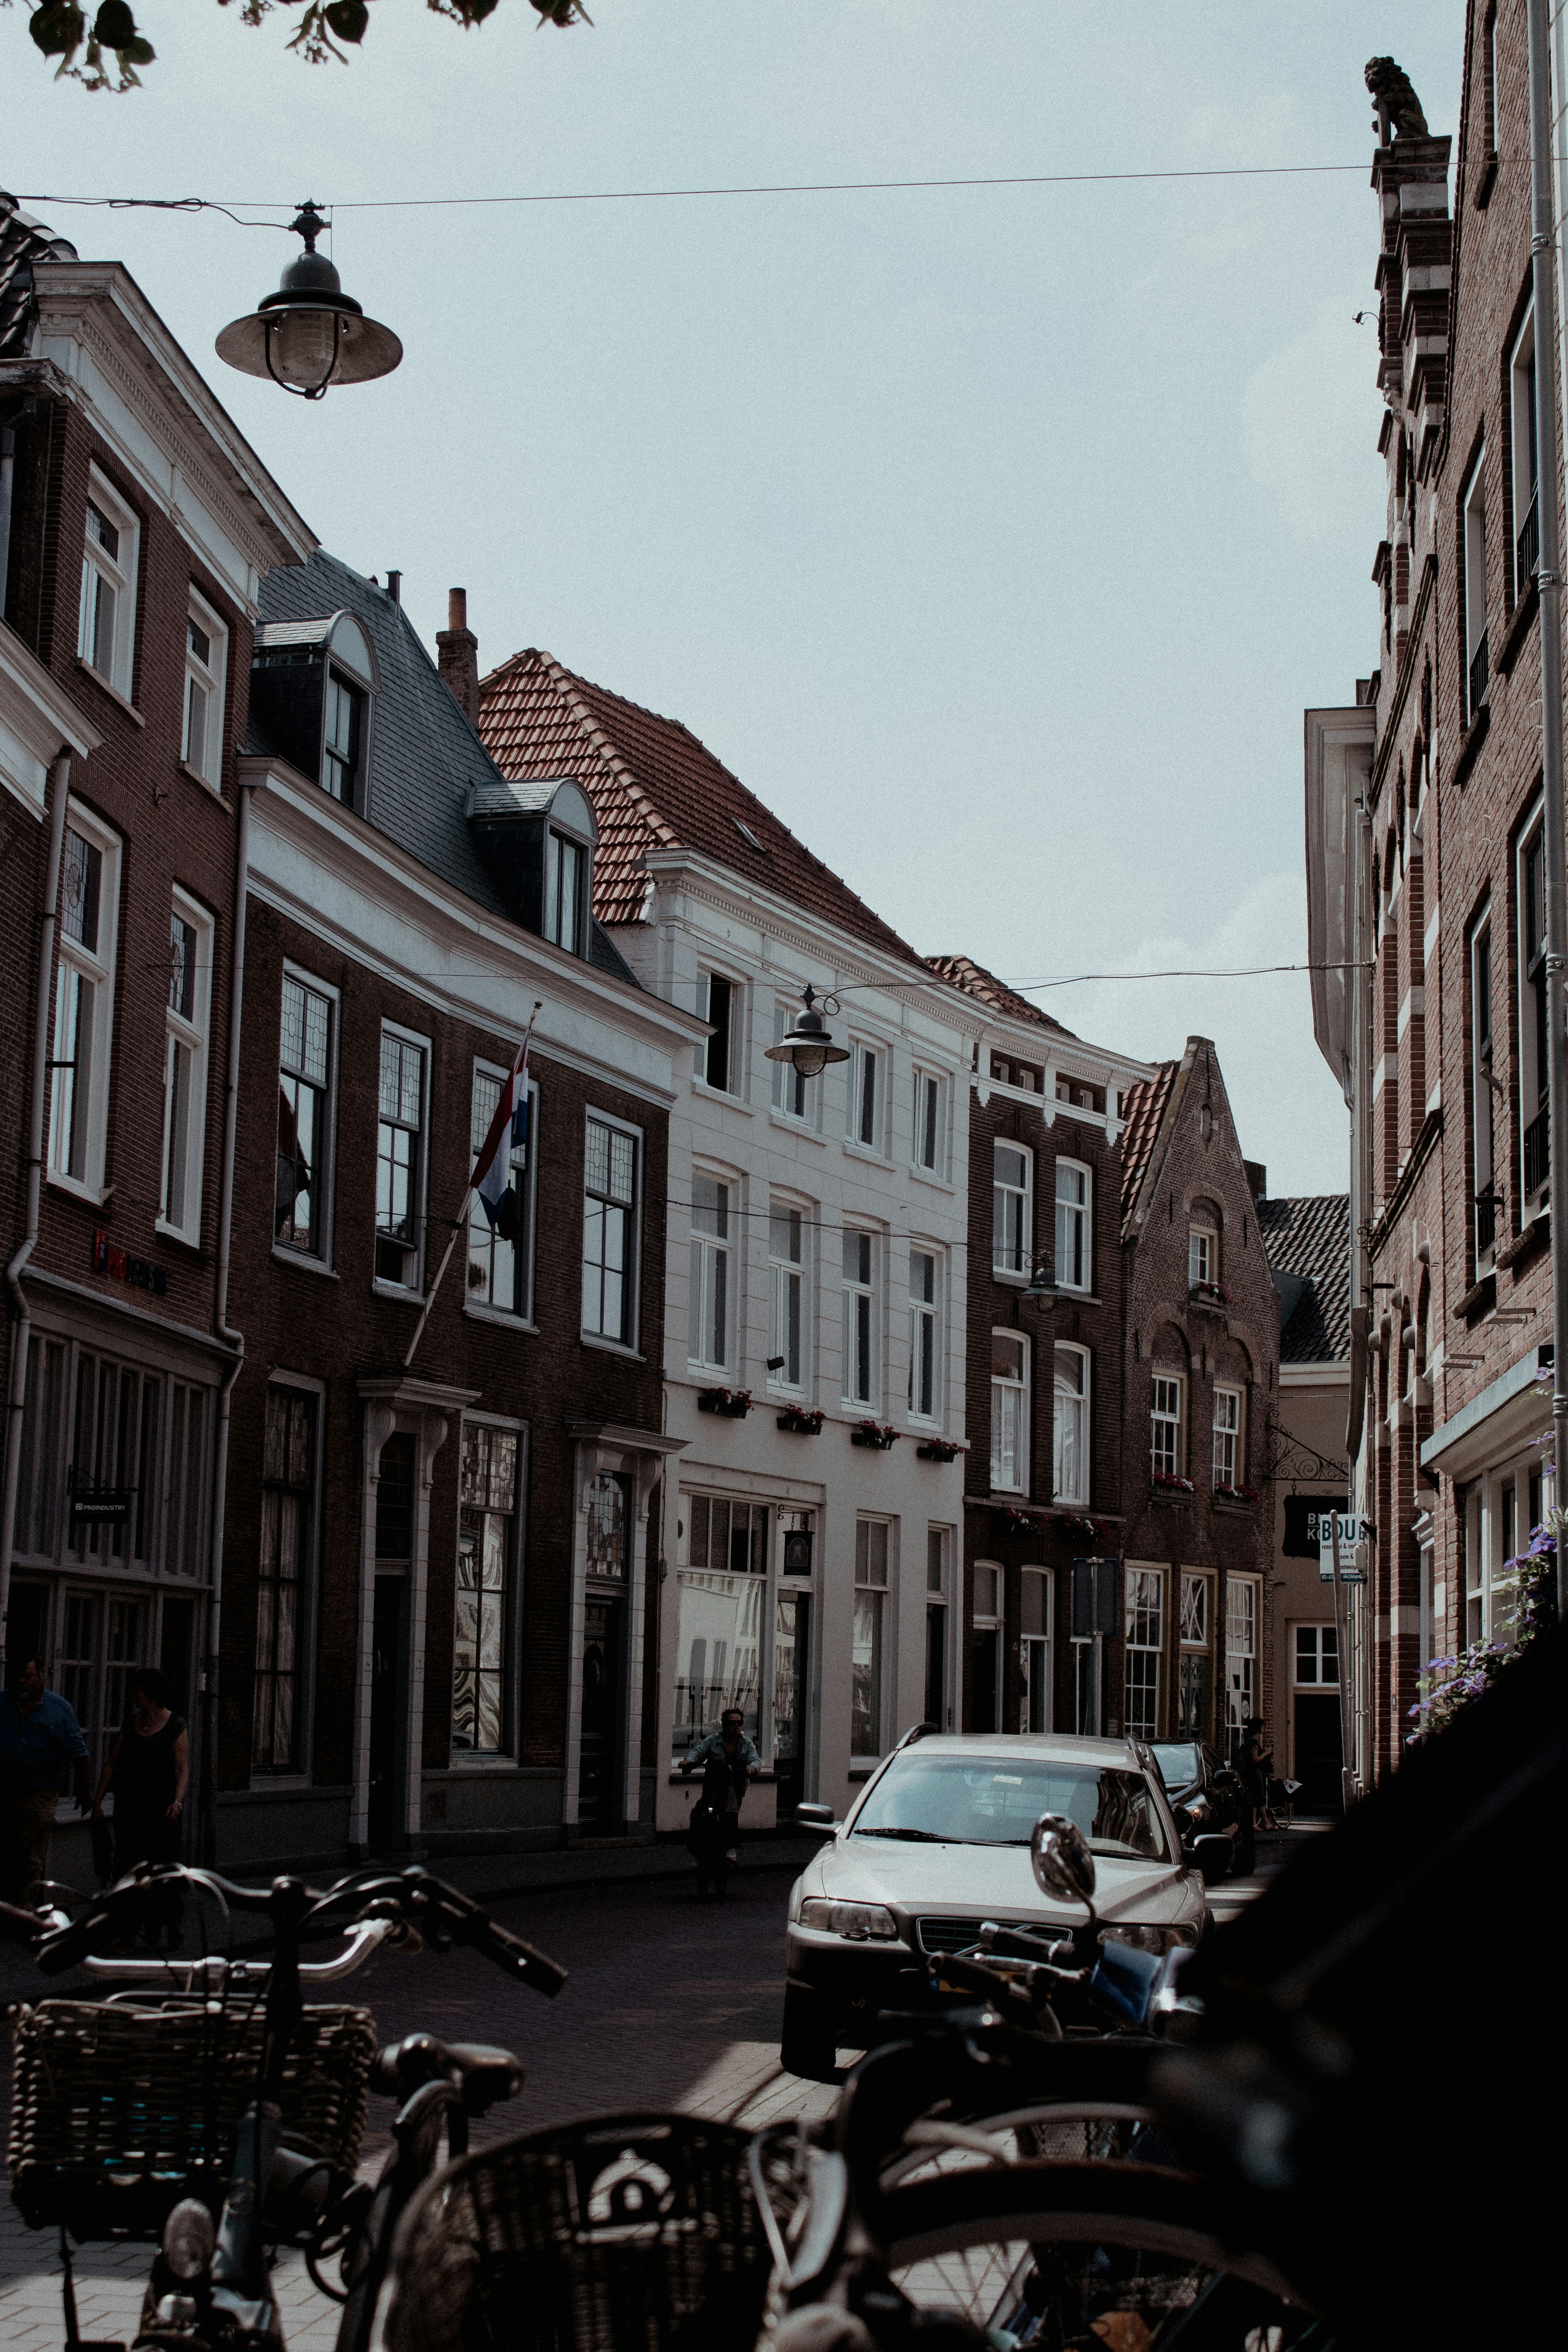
[
  {"x": 1168, "y": 1488},
  {"x": 879, "y": 1434},
  {"x": 940, "y": 1449},
  {"x": 800, "y": 1424},
  {"x": 733, "y": 1403}
]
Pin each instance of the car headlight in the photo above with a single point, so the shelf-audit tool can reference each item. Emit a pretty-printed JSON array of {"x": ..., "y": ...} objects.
[
  {"x": 1150, "y": 1940},
  {"x": 860, "y": 1922}
]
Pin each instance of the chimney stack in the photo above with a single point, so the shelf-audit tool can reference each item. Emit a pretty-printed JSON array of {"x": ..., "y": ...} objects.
[{"x": 457, "y": 656}]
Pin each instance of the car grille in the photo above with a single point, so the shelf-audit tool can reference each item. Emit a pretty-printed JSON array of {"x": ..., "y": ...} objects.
[{"x": 957, "y": 1935}]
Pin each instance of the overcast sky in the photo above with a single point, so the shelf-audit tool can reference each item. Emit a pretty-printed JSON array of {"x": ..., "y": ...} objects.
[{"x": 996, "y": 537}]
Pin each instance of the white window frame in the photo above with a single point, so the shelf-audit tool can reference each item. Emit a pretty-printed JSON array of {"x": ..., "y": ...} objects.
[
  {"x": 874, "y": 1581},
  {"x": 1163, "y": 1416},
  {"x": 565, "y": 917},
  {"x": 1009, "y": 1245},
  {"x": 1321, "y": 1639},
  {"x": 732, "y": 1082},
  {"x": 625, "y": 1341},
  {"x": 1037, "y": 1652},
  {"x": 789, "y": 1275},
  {"x": 795, "y": 1096},
  {"x": 1145, "y": 1629},
  {"x": 413, "y": 1284},
  {"x": 320, "y": 1251},
  {"x": 1075, "y": 1228},
  {"x": 865, "y": 1061},
  {"x": 928, "y": 1124},
  {"x": 926, "y": 1333},
  {"x": 862, "y": 1351},
  {"x": 81, "y": 967},
  {"x": 711, "y": 1313},
  {"x": 1230, "y": 1435},
  {"x": 990, "y": 1578},
  {"x": 1473, "y": 560},
  {"x": 1521, "y": 449},
  {"x": 1010, "y": 1403},
  {"x": 118, "y": 572},
  {"x": 185, "y": 1051},
  {"x": 1243, "y": 1609},
  {"x": 1483, "y": 1129},
  {"x": 1533, "y": 1028},
  {"x": 209, "y": 678},
  {"x": 481, "y": 1239},
  {"x": 1203, "y": 1256},
  {"x": 1194, "y": 1588},
  {"x": 1079, "y": 1398}
]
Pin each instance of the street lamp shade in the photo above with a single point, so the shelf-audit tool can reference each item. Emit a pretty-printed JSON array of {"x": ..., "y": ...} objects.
[
  {"x": 310, "y": 333},
  {"x": 807, "y": 1042},
  {"x": 1042, "y": 1292}
]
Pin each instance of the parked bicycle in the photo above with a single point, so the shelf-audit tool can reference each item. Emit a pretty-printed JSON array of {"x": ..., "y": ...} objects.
[{"x": 205, "y": 2103}]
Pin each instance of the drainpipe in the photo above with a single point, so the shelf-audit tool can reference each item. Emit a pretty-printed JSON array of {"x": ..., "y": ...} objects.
[
  {"x": 21, "y": 1329},
  {"x": 235, "y": 1340},
  {"x": 1549, "y": 579}
]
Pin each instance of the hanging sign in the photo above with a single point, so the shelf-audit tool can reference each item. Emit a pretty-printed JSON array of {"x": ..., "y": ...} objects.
[
  {"x": 92, "y": 1505},
  {"x": 797, "y": 1551},
  {"x": 1355, "y": 1546}
]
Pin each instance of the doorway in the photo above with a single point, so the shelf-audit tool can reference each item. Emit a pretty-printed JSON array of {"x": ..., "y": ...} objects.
[
  {"x": 1318, "y": 1752},
  {"x": 599, "y": 1806},
  {"x": 1034, "y": 1700},
  {"x": 792, "y": 1653},
  {"x": 387, "y": 1828},
  {"x": 936, "y": 1665}
]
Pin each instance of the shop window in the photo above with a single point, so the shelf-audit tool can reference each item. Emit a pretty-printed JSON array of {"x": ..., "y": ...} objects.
[
  {"x": 721, "y": 1592},
  {"x": 283, "y": 1581},
  {"x": 866, "y": 1697},
  {"x": 1145, "y": 1650},
  {"x": 486, "y": 1566}
]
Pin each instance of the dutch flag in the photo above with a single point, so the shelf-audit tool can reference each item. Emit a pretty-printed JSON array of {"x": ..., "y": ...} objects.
[{"x": 508, "y": 1132}]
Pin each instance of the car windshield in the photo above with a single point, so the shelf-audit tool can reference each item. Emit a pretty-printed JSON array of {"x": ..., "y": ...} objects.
[
  {"x": 964, "y": 1800},
  {"x": 1178, "y": 1765}
]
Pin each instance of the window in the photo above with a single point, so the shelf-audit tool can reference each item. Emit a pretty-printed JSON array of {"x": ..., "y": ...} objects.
[
  {"x": 1482, "y": 1189},
  {"x": 399, "y": 1161},
  {"x": 343, "y": 733},
  {"x": 1229, "y": 1459},
  {"x": 928, "y": 1129},
  {"x": 925, "y": 1336},
  {"x": 866, "y": 1692},
  {"x": 288, "y": 1540},
  {"x": 786, "y": 1277},
  {"x": 1166, "y": 1415},
  {"x": 1012, "y": 1223},
  {"x": 1203, "y": 1257},
  {"x": 500, "y": 1257},
  {"x": 865, "y": 1112},
  {"x": 1532, "y": 1020},
  {"x": 1192, "y": 1663},
  {"x": 201, "y": 737},
  {"x": 1526, "y": 528},
  {"x": 938, "y": 1541},
  {"x": 486, "y": 1551},
  {"x": 985, "y": 1682},
  {"x": 84, "y": 1002},
  {"x": 1473, "y": 562},
  {"x": 186, "y": 1068},
  {"x": 709, "y": 1310},
  {"x": 1009, "y": 1413},
  {"x": 1035, "y": 1650},
  {"x": 1317, "y": 1655},
  {"x": 721, "y": 1591},
  {"x": 305, "y": 1080},
  {"x": 1195, "y": 1609},
  {"x": 716, "y": 1061},
  {"x": 1073, "y": 1260},
  {"x": 609, "y": 1208},
  {"x": 1241, "y": 1649},
  {"x": 609, "y": 1526},
  {"x": 107, "y": 623},
  {"x": 792, "y": 1090},
  {"x": 103, "y": 1640},
  {"x": 1070, "y": 1427},
  {"x": 1145, "y": 1650},
  {"x": 859, "y": 1318},
  {"x": 565, "y": 867}
]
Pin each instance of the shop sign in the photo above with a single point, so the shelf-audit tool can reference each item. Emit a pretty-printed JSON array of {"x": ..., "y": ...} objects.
[
  {"x": 797, "y": 1551},
  {"x": 1355, "y": 1547},
  {"x": 92, "y": 1505},
  {"x": 121, "y": 1266}
]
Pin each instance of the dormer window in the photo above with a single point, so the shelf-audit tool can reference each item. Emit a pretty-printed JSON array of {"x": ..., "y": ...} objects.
[
  {"x": 313, "y": 693},
  {"x": 341, "y": 739},
  {"x": 564, "y": 863},
  {"x": 537, "y": 838}
]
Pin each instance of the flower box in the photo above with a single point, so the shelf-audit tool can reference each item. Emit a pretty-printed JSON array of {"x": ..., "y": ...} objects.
[
  {"x": 877, "y": 1434},
  {"x": 937, "y": 1449},
  {"x": 800, "y": 1424},
  {"x": 1075, "y": 1527},
  {"x": 1166, "y": 1489},
  {"x": 1023, "y": 1521},
  {"x": 734, "y": 1404},
  {"x": 1241, "y": 1496},
  {"x": 1209, "y": 1293}
]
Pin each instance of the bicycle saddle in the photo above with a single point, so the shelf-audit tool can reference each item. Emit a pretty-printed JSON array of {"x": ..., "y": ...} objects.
[{"x": 485, "y": 2073}]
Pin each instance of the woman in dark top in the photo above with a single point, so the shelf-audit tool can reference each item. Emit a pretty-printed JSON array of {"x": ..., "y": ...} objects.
[
  {"x": 148, "y": 1770},
  {"x": 1257, "y": 1764}
]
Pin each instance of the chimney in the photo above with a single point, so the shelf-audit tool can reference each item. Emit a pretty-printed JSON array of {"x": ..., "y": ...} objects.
[
  {"x": 457, "y": 656},
  {"x": 1256, "y": 1178}
]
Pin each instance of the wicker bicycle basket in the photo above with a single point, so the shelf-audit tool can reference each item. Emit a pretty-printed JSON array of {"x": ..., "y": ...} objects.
[
  {"x": 117, "y": 2112},
  {"x": 627, "y": 2233}
]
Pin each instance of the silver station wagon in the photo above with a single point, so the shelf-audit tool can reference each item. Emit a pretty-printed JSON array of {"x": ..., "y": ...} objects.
[{"x": 938, "y": 1840}]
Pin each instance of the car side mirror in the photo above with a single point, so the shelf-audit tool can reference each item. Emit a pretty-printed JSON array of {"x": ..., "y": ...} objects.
[
  {"x": 1212, "y": 1856},
  {"x": 817, "y": 1819},
  {"x": 1061, "y": 1861}
]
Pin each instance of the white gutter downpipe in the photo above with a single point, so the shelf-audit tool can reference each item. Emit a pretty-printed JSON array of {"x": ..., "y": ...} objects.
[{"x": 22, "y": 1327}]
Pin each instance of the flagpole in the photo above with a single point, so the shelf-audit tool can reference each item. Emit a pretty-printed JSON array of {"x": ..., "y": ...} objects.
[{"x": 460, "y": 1222}]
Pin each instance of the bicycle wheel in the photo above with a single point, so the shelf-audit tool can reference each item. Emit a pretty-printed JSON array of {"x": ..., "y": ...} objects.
[{"x": 1078, "y": 2257}]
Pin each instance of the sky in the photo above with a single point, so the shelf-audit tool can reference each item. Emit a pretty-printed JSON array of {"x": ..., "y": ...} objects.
[{"x": 996, "y": 537}]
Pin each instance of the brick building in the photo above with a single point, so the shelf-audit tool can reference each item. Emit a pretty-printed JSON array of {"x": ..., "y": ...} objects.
[{"x": 136, "y": 525}]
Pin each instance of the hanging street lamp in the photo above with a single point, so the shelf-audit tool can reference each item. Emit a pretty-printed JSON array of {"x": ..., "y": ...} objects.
[
  {"x": 310, "y": 334},
  {"x": 1042, "y": 1293},
  {"x": 807, "y": 1042}
]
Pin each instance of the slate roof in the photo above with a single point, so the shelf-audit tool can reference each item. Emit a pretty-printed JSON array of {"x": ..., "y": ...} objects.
[
  {"x": 962, "y": 972},
  {"x": 23, "y": 241},
  {"x": 654, "y": 786},
  {"x": 424, "y": 755},
  {"x": 1308, "y": 1242},
  {"x": 1143, "y": 1108}
]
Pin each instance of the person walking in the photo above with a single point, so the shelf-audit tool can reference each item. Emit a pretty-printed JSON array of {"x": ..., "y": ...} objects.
[
  {"x": 149, "y": 1771},
  {"x": 729, "y": 1761},
  {"x": 1256, "y": 1765},
  {"x": 42, "y": 1754}
]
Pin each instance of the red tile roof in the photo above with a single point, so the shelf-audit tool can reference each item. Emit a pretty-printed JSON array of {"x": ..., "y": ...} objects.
[
  {"x": 654, "y": 786},
  {"x": 962, "y": 972},
  {"x": 1143, "y": 1108}
]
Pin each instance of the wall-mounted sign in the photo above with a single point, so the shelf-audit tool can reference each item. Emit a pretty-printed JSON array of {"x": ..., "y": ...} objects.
[
  {"x": 92, "y": 1505},
  {"x": 121, "y": 1266},
  {"x": 1355, "y": 1547},
  {"x": 797, "y": 1551}
]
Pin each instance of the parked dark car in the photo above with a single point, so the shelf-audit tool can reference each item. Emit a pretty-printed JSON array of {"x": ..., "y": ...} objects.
[{"x": 1209, "y": 1800}]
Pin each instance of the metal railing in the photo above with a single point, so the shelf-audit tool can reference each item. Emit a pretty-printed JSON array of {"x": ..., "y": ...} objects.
[
  {"x": 1537, "y": 1154},
  {"x": 1480, "y": 674},
  {"x": 1527, "y": 550}
]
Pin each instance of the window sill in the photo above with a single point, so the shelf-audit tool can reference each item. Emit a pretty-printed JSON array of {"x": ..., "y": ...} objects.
[
  {"x": 865, "y": 1767},
  {"x": 1470, "y": 742},
  {"x": 113, "y": 692},
  {"x": 94, "y": 1197},
  {"x": 477, "y": 1312},
  {"x": 1070, "y": 1298},
  {"x": 478, "y": 1768},
  {"x": 1518, "y": 627},
  {"x": 721, "y": 1095},
  {"x": 305, "y": 1265},
  {"x": 402, "y": 1291},
  {"x": 801, "y": 1128},
  {"x": 929, "y": 1176},
  {"x": 197, "y": 777},
  {"x": 612, "y": 1347},
  {"x": 855, "y": 1150}
]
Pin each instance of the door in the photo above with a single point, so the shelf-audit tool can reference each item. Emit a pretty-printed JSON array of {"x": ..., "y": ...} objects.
[
  {"x": 1317, "y": 1752},
  {"x": 388, "y": 1827},
  {"x": 1035, "y": 1701},
  {"x": 792, "y": 1650},
  {"x": 598, "y": 1803},
  {"x": 936, "y": 1665},
  {"x": 984, "y": 1717}
]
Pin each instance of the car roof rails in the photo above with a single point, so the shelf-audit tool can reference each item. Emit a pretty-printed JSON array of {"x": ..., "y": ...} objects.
[{"x": 917, "y": 1731}]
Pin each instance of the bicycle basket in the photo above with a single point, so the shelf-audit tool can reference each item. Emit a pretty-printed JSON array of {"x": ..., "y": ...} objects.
[
  {"x": 117, "y": 2112},
  {"x": 623, "y": 2234}
]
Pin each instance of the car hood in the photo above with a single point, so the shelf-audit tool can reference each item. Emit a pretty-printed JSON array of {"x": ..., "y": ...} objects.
[{"x": 993, "y": 1881}]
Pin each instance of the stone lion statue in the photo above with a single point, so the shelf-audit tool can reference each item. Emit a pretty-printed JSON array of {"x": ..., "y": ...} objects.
[{"x": 1398, "y": 108}]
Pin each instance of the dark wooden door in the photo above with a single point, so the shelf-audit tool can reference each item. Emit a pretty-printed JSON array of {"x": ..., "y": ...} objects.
[
  {"x": 387, "y": 1828},
  {"x": 1317, "y": 1752},
  {"x": 598, "y": 1804}
]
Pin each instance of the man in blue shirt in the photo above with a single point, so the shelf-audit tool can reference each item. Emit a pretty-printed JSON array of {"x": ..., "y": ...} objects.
[{"x": 42, "y": 1753}]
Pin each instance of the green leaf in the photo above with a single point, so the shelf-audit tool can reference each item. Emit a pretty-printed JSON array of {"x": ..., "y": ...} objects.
[
  {"x": 114, "y": 26},
  {"x": 348, "y": 19},
  {"x": 58, "y": 28}
]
